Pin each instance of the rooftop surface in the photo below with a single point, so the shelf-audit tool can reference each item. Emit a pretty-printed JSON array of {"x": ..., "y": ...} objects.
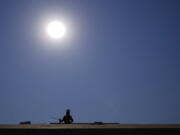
[{"x": 87, "y": 126}]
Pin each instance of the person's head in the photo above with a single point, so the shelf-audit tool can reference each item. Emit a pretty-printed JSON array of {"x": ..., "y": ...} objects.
[{"x": 67, "y": 112}]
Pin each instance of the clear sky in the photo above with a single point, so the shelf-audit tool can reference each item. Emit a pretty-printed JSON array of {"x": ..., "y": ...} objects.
[{"x": 119, "y": 61}]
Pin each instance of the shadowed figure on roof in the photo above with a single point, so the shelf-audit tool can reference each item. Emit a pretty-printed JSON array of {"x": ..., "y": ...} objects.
[{"x": 67, "y": 119}]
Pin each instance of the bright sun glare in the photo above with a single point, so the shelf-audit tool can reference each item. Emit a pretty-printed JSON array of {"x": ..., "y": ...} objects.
[{"x": 56, "y": 29}]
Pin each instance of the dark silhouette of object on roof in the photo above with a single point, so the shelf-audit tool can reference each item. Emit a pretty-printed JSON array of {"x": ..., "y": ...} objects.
[
  {"x": 98, "y": 123},
  {"x": 67, "y": 119},
  {"x": 25, "y": 122}
]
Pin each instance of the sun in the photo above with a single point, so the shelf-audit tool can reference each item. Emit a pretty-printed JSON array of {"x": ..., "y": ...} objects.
[{"x": 56, "y": 29}]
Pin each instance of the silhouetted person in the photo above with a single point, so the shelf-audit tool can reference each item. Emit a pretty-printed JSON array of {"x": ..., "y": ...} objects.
[{"x": 67, "y": 118}]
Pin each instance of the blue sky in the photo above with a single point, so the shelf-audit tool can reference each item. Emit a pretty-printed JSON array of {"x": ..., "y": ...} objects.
[{"x": 119, "y": 61}]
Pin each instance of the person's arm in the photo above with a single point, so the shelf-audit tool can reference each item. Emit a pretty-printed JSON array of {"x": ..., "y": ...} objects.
[
  {"x": 72, "y": 119},
  {"x": 60, "y": 120}
]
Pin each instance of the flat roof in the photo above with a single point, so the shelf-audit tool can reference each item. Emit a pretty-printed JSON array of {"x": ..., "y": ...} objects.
[{"x": 87, "y": 126}]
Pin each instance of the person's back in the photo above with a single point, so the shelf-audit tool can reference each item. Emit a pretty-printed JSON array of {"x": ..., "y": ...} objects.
[{"x": 67, "y": 118}]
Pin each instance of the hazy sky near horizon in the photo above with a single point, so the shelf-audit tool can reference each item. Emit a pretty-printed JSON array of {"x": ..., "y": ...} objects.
[{"x": 119, "y": 61}]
